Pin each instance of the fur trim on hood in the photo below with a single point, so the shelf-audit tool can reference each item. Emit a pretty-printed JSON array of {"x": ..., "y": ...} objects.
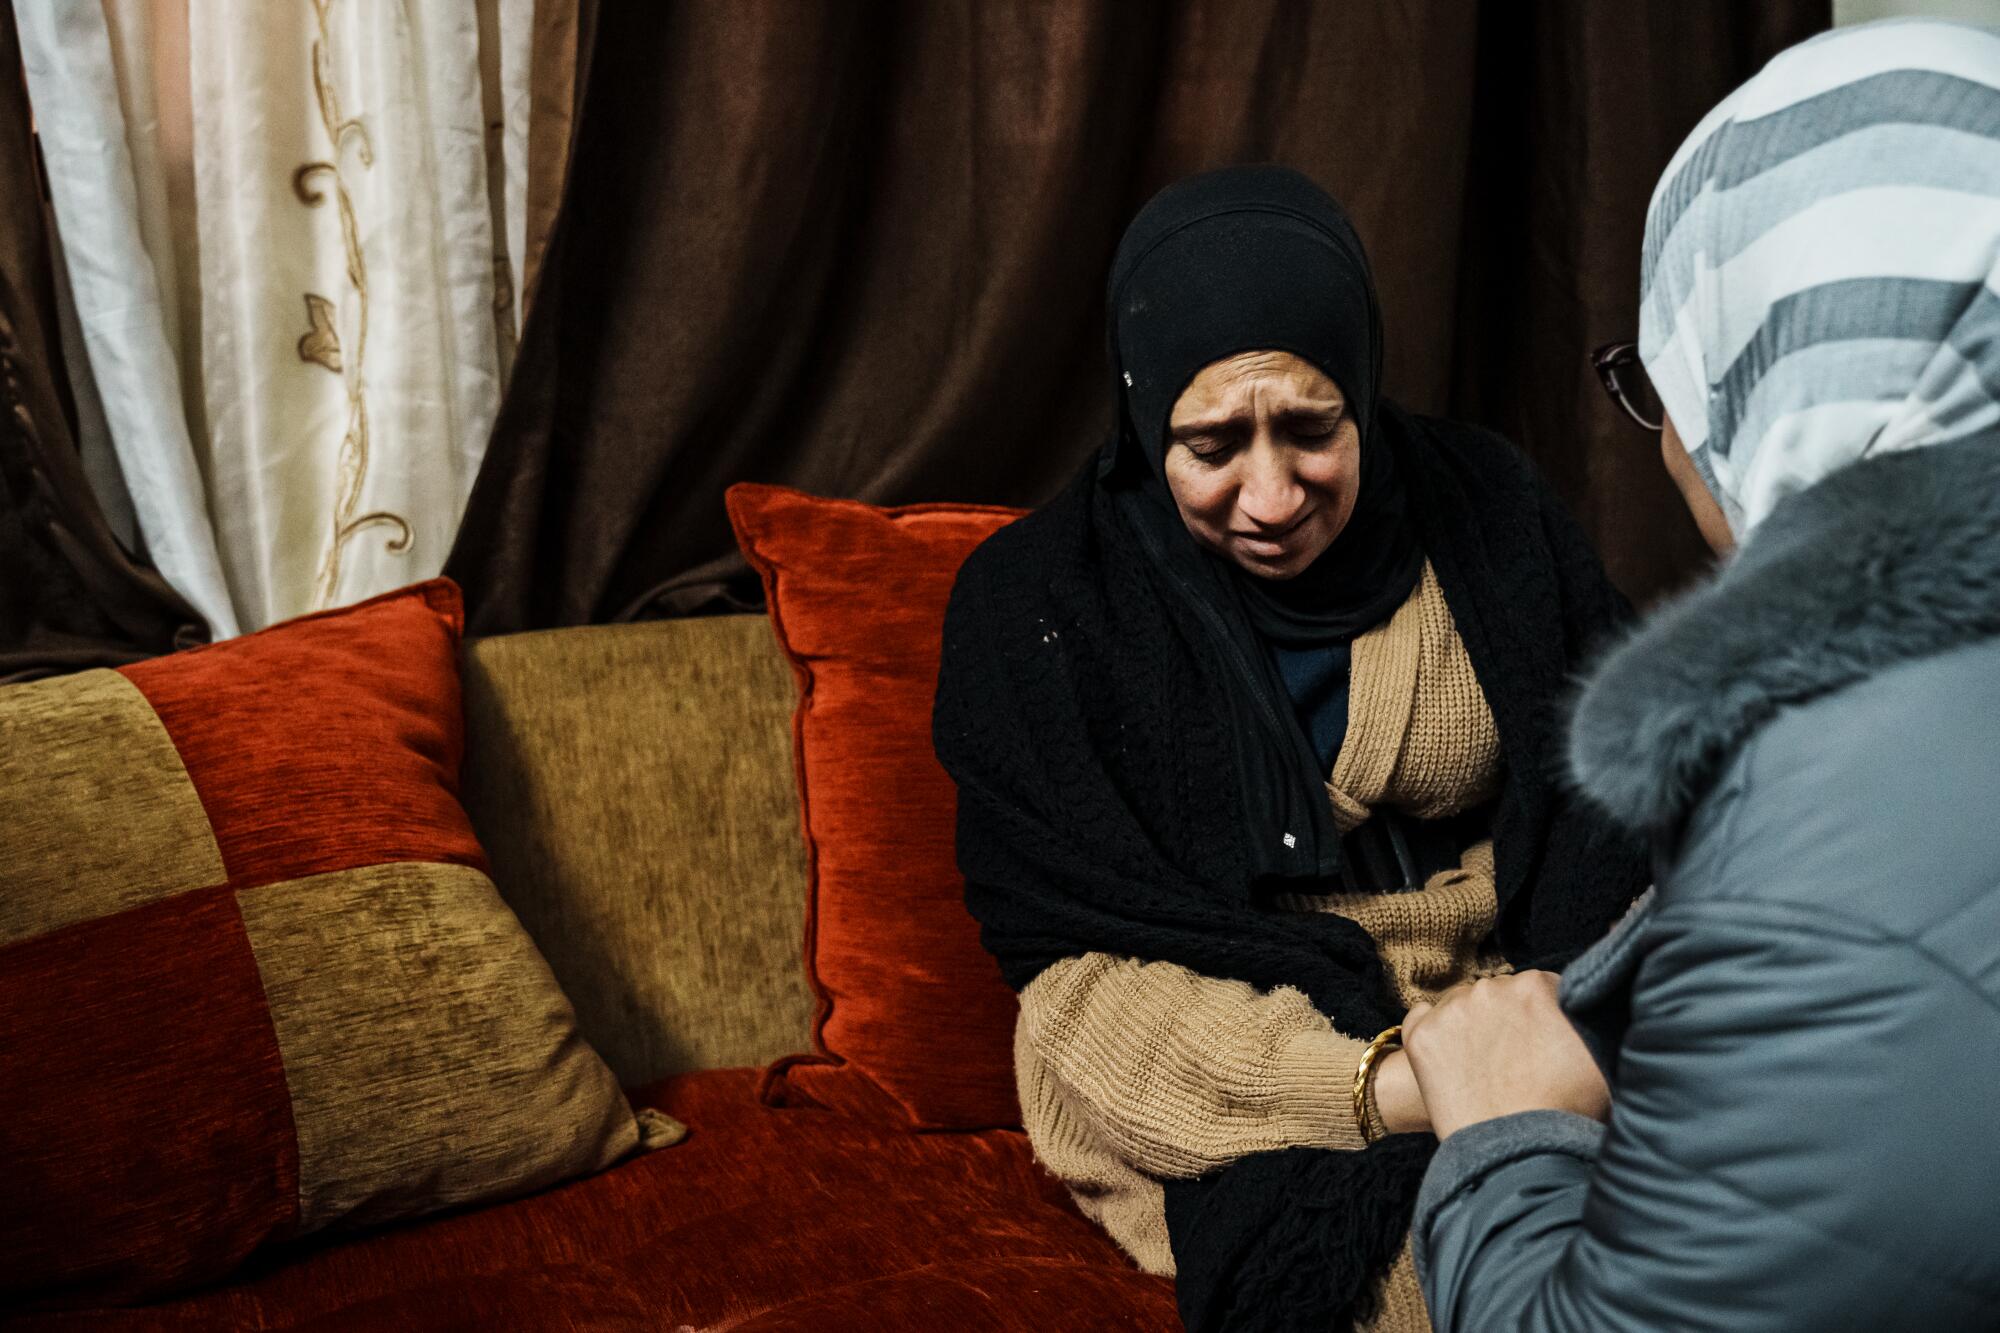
[{"x": 1889, "y": 560}]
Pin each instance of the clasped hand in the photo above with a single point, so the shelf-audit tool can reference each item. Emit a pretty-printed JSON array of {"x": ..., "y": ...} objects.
[{"x": 1485, "y": 1049}]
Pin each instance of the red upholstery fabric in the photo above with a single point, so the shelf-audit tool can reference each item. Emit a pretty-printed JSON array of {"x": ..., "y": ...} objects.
[
  {"x": 329, "y": 742},
  {"x": 122, "y": 1171},
  {"x": 763, "y": 1218},
  {"x": 914, "y": 1021},
  {"x": 990, "y": 1294}
]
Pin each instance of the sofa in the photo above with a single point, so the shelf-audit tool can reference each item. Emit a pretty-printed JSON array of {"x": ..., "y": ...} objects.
[{"x": 634, "y": 789}]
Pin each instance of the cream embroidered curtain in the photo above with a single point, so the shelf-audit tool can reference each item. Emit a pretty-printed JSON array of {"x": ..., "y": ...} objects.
[{"x": 287, "y": 226}]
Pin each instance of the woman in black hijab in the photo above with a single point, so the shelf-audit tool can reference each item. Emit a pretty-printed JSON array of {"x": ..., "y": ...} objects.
[{"x": 1254, "y": 731}]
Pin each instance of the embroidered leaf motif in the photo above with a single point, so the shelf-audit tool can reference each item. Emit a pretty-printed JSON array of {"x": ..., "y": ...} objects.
[
  {"x": 320, "y": 342},
  {"x": 348, "y": 137}
]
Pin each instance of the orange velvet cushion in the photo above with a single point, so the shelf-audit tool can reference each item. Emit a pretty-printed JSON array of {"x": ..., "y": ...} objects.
[
  {"x": 914, "y": 1021},
  {"x": 254, "y": 980}
]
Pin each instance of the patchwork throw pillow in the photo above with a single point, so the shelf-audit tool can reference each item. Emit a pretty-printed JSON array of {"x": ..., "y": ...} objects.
[
  {"x": 254, "y": 980},
  {"x": 914, "y": 1023}
]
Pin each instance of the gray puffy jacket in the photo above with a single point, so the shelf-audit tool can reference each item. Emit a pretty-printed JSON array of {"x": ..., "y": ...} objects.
[{"x": 1801, "y": 1024}]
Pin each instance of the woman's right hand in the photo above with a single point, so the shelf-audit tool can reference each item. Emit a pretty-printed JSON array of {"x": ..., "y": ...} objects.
[{"x": 1499, "y": 1047}]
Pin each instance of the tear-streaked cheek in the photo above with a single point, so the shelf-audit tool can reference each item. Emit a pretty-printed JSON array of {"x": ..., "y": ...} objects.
[{"x": 1206, "y": 505}]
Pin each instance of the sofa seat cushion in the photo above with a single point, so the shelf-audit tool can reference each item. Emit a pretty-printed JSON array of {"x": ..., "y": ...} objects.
[{"x": 763, "y": 1218}]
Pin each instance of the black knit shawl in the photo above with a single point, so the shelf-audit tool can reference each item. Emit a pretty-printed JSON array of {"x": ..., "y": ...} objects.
[{"x": 1086, "y": 718}]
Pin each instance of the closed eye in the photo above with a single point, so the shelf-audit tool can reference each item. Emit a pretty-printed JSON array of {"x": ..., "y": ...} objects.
[
  {"x": 1312, "y": 425},
  {"x": 1214, "y": 442},
  {"x": 1210, "y": 444}
]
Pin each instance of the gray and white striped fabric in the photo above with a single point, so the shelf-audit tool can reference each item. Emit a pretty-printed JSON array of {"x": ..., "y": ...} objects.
[{"x": 1821, "y": 277}]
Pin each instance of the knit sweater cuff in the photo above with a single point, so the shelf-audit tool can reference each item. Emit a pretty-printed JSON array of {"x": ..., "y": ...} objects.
[
  {"x": 1377, "y": 1126},
  {"x": 1314, "y": 1077}
]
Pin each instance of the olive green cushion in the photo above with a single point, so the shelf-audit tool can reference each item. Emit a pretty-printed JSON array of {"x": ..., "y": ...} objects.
[{"x": 633, "y": 787}]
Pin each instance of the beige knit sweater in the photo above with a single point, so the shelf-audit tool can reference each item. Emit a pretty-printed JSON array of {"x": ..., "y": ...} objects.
[{"x": 1132, "y": 1073}]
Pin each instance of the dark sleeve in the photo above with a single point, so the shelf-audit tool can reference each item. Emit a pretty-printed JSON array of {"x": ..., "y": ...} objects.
[
  {"x": 1606, "y": 866},
  {"x": 1009, "y": 814},
  {"x": 1495, "y": 472},
  {"x": 1043, "y": 841},
  {"x": 1594, "y": 611}
]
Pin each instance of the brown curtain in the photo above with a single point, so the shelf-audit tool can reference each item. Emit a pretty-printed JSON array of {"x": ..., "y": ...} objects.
[
  {"x": 859, "y": 249},
  {"x": 70, "y": 595}
]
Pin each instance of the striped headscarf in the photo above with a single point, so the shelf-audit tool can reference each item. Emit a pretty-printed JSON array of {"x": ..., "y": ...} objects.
[{"x": 1822, "y": 257}]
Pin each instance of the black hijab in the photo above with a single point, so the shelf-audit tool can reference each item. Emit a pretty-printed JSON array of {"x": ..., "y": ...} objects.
[{"x": 1258, "y": 258}]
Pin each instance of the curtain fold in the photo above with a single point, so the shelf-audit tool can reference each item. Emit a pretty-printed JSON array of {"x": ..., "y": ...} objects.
[
  {"x": 559, "y": 41},
  {"x": 509, "y": 89},
  {"x": 93, "y": 102},
  {"x": 859, "y": 249},
  {"x": 71, "y": 595},
  {"x": 285, "y": 231}
]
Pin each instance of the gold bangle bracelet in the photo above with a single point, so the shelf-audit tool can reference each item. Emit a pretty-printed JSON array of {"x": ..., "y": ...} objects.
[{"x": 1389, "y": 1039}]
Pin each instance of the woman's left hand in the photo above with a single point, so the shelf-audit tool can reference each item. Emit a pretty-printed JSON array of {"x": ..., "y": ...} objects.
[{"x": 1499, "y": 1046}]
